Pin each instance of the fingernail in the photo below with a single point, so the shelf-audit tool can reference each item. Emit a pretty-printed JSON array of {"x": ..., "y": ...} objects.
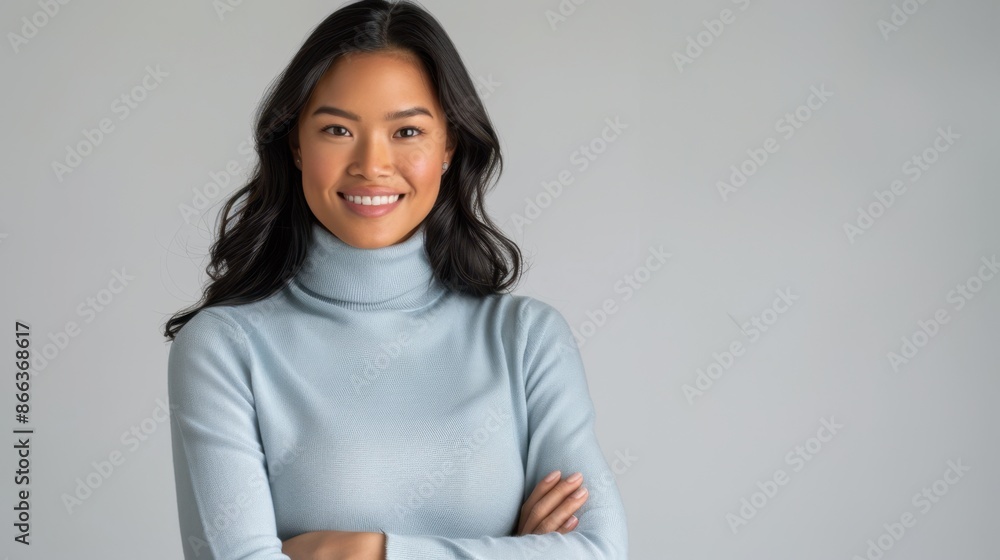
[
  {"x": 569, "y": 522},
  {"x": 552, "y": 476},
  {"x": 574, "y": 477},
  {"x": 581, "y": 492}
]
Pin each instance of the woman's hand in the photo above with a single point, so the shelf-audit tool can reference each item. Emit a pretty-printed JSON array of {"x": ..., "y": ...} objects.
[
  {"x": 335, "y": 545},
  {"x": 551, "y": 505}
]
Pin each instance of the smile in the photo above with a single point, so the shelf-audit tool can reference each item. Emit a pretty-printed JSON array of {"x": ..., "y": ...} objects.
[
  {"x": 372, "y": 200},
  {"x": 371, "y": 206}
]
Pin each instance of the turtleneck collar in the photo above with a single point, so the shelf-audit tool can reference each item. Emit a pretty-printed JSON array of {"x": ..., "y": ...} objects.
[{"x": 398, "y": 276}]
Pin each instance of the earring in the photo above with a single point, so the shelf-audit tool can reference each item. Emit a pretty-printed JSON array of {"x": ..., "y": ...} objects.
[{"x": 444, "y": 166}]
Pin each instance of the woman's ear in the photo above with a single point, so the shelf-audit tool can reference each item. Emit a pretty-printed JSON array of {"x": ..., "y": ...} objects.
[
  {"x": 449, "y": 153},
  {"x": 293, "y": 145},
  {"x": 297, "y": 157}
]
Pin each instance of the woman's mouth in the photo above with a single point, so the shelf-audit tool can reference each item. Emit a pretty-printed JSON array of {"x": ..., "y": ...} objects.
[
  {"x": 371, "y": 200},
  {"x": 371, "y": 206}
]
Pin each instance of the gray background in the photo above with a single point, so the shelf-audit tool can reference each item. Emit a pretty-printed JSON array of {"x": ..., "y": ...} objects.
[{"x": 549, "y": 89}]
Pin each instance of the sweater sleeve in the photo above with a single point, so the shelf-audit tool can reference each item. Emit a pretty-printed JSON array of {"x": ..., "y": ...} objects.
[
  {"x": 561, "y": 436},
  {"x": 223, "y": 496}
]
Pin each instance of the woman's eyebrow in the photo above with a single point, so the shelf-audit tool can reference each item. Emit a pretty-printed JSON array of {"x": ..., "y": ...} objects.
[{"x": 391, "y": 116}]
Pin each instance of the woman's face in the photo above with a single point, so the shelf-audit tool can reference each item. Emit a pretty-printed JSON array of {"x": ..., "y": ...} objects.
[{"x": 366, "y": 131}]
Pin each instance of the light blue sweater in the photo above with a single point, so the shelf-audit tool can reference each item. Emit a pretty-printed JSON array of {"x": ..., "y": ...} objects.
[{"x": 364, "y": 396}]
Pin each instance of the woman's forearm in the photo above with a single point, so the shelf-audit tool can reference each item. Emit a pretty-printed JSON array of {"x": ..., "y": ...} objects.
[{"x": 335, "y": 545}]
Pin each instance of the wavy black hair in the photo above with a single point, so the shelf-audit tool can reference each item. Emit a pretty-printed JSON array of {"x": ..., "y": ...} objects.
[{"x": 262, "y": 242}]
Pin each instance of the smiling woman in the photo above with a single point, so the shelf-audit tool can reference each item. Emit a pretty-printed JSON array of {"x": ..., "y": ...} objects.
[
  {"x": 369, "y": 176},
  {"x": 358, "y": 382}
]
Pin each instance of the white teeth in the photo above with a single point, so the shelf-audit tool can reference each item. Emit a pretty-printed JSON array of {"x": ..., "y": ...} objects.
[{"x": 372, "y": 200}]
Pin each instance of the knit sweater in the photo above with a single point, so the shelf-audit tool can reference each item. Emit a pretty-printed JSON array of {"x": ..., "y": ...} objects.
[{"x": 366, "y": 396}]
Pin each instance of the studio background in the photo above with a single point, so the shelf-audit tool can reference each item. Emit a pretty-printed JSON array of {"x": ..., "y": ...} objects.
[{"x": 857, "y": 418}]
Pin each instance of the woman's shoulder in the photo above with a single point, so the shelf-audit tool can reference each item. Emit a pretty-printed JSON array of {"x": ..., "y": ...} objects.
[
  {"x": 534, "y": 311},
  {"x": 526, "y": 317},
  {"x": 213, "y": 327},
  {"x": 240, "y": 317}
]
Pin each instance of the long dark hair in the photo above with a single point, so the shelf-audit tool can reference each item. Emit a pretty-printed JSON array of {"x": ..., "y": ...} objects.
[{"x": 262, "y": 244}]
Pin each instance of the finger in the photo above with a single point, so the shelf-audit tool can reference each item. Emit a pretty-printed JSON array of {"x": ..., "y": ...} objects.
[
  {"x": 569, "y": 525},
  {"x": 563, "y": 514},
  {"x": 540, "y": 490},
  {"x": 548, "y": 503}
]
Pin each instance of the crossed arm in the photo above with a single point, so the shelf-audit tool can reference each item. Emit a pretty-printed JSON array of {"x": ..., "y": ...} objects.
[
  {"x": 549, "y": 508},
  {"x": 219, "y": 463}
]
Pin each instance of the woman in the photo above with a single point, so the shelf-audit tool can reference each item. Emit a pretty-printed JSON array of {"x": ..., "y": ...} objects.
[{"x": 357, "y": 381}]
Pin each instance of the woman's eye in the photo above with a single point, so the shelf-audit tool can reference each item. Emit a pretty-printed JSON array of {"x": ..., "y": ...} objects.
[
  {"x": 413, "y": 128},
  {"x": 334, "y": 126},
  {"x": 332, "y": 129}
]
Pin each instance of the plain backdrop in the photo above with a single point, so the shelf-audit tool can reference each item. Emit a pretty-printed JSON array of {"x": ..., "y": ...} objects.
[{"x": 827, "y": 170}]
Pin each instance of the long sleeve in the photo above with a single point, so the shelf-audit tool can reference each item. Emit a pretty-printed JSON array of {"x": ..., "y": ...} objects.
[
  {"x": 223, "y": 497},
  {"x": 561, "y": 436}
]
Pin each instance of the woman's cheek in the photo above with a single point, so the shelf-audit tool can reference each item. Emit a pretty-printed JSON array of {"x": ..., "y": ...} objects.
[
  {"x": 418, "y": 164},
  {"x": 322, "y": 168}
]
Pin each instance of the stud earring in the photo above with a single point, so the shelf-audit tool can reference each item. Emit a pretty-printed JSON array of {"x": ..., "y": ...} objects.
[{"x": 444, "y": 166}]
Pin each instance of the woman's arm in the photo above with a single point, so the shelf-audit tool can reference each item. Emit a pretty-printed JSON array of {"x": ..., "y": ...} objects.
[
  {"x": 223, "y": 495},
  {"x": 335, "y": 545},
  {"x": 561, "y": 436},
  {"x": 549, "y": 508}
]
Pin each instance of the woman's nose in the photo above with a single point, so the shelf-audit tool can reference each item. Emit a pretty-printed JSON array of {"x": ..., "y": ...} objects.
[{"x": 373, "y": 157}]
